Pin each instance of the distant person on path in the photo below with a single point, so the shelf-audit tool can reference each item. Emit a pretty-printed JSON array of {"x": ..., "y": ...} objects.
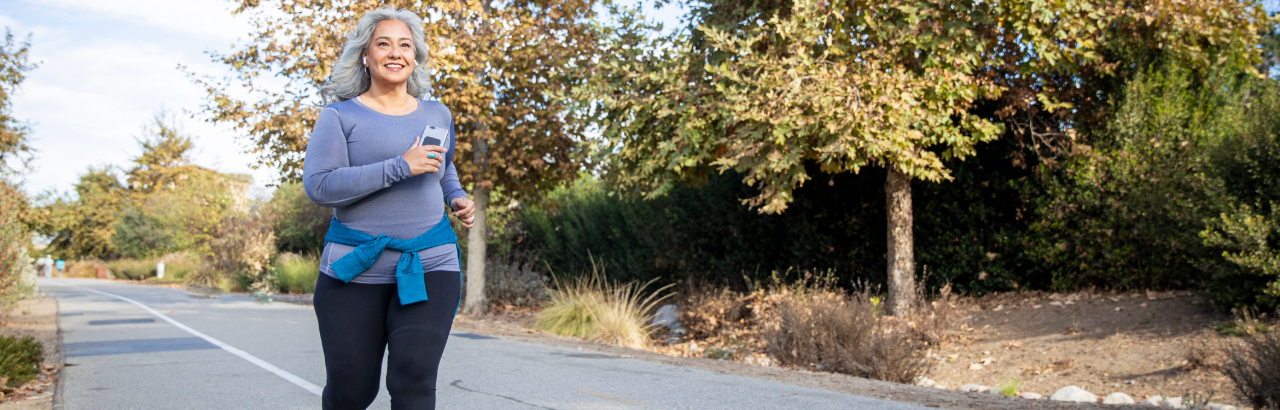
[{"x": 382, "y": 157}]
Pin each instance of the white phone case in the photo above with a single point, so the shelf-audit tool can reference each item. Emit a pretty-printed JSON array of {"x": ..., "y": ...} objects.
[{"x": 437, "y": 133}]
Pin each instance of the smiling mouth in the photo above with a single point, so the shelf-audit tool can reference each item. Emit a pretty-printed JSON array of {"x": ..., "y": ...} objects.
[{"x": 394, "y": 67}]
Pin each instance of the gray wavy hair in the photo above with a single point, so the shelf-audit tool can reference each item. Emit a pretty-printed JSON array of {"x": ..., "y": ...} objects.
[{"x": 349, "y": 78}]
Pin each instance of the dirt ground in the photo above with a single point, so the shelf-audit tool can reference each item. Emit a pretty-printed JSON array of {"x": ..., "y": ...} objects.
[
  {"x": 1142, "y": 344},
  {"x": 37, "y": 318},
  {"x": 516, "y": 327}
]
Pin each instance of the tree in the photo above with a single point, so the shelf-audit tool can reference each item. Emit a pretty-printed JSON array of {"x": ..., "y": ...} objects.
[
  {"x": 15, "y": 214},
  {"x": 13, "y": 133},
  {"x": 497, "y": 64},
  {"x": 165, "y": 159},
  {"x": 83, "y": 226},
  {"x": 765, "y": 87},
  {"x": 846, "y": 86}
]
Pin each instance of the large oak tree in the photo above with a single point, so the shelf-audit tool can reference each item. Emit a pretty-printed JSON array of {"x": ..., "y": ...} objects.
[{"x": 763, "y": 87}]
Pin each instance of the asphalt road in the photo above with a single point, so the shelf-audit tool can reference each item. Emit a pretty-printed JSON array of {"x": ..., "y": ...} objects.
[{"x": 142, "y": 347}]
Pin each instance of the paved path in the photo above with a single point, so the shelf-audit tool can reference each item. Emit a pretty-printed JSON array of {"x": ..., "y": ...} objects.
[{"x": 170, "y": 351}]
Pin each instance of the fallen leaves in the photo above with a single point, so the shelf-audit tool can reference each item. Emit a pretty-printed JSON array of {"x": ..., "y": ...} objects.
[{"x": 44, "y": 381}]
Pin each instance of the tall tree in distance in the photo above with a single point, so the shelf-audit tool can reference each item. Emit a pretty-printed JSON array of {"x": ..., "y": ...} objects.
[
  {"x": 165, "y": 159},
  {"x": 499, "y": 65}
]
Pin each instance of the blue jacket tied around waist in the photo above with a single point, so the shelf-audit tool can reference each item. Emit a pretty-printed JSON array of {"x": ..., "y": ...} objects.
[{"x": 410, "y": 283}]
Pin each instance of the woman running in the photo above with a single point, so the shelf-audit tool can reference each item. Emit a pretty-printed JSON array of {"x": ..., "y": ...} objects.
[{"x": 383, "y": 159}]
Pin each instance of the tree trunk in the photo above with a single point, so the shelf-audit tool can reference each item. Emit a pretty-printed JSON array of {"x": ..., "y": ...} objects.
[
  {"x": 902, "y": 261},
  {"x": 477, "y": 302}
]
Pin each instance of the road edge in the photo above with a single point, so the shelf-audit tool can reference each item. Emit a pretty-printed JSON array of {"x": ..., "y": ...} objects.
[
  {"x": 509, "y": 329},
  {"x": 62, "y": 355}
]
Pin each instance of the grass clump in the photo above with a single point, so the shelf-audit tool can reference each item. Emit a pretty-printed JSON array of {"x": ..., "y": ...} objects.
[
  {"x": 19, "y": 359},
  {"x": 1254, "y": 366},
  {"x": 132, "y": 269},
  {"x": 84, "y": 268},
  {"x": 1246, "y": 323},
  {"x": 176, "y": 266},
  {"x": 1010, "y": 387},
  {"x": 296, "y": 273},
  {"x": 590, "y": 307}
]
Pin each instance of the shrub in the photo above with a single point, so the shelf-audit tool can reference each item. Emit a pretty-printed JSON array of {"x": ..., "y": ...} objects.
[
  {"x": 1248, "y": 241},
  {"x": 513, "y": 282},
  {"x": 299, "y": 224},
  {"x": 591, "y": 307},
  {"x": 84, "y": 268},
  {"x": 205, "y": 276},
  {"x": 16, "y": 274},
  {"x": 19, "y": 359},
  {"x": 1254, "y": 367},
  {"x": 706, "y": 312},
  {"x": 811, "y": 325},
  {"x": 133, "y": 269},
  {"x": 296, "y": 273},
  {"x": 968, "y": 231},
  {"x": 177, "y": 265}
]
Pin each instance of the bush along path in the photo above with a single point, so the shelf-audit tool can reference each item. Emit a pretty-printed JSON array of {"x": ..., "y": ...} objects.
[
  {"x": 30, "y": 356},
  {"x": 1163, "y": 348}
]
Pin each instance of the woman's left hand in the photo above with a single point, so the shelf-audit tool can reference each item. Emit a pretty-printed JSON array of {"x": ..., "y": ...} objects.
[{"x": 465, "y": 211}]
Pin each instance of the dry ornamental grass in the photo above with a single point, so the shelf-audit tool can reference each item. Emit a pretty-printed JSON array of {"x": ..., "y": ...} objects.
[{"x": 590, "y": 307}]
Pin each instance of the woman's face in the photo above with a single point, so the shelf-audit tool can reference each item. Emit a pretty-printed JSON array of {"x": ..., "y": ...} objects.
[{"x": 390, "y": 55}]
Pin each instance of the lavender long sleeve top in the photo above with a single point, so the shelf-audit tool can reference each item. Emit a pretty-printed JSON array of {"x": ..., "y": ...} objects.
[{"x": 355, "y": 164}]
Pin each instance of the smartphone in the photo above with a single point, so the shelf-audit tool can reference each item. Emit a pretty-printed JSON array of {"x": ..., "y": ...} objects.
[{"x": 433, "y": 135}]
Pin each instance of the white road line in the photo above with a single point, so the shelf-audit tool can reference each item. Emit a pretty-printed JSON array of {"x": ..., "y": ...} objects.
[{"x": 292, "y": 378}]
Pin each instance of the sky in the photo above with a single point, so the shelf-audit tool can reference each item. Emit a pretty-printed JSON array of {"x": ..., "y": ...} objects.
[{"x": 106, "y": 68}]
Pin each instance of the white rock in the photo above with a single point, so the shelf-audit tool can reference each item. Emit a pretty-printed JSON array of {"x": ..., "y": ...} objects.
[
  {"x": 1073, "y": 393},
  {"x": 995, "y": 392},
  {"x": 667, "y": 315},
  {"x": 1118, "y": 398},
  {"x": 1030, "y": 395},
  {"x": 1154, "y": 400},
  {"x": 975, "y": 366},
  {"x": 925, "y": 381},
  {"x": 1175, "y": 402},
  {"x": 974, "y": 388}
]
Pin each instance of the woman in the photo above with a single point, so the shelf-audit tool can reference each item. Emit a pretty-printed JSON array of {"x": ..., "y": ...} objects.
[{"x": 390, "y": 276}]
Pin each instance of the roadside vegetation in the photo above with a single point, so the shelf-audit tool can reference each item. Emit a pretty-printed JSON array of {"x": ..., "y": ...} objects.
[
  {"x": 20, "y": 359},
  {"x": 804, "y": 202},
  {"x": 296, "y": 273},
  {"x": 592, "y": 307},
  {"x": 204, "y": 225},
  {"x": 21, "y": 356},
  {"x": 1254, "y": 366}
]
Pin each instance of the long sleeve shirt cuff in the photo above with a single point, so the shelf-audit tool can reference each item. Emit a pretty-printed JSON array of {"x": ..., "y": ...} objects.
[{"x": 396, "y": 169}]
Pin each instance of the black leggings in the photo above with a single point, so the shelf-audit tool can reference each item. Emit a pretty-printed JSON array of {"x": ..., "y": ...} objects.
[{"x": 358, "y": 321}]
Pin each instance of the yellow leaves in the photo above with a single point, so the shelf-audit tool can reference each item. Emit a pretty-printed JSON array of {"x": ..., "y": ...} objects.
[{"x": 1049, "y": 104}]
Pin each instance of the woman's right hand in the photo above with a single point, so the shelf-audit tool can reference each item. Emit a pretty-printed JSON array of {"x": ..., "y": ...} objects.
[{"x": 424, "y": 158}]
